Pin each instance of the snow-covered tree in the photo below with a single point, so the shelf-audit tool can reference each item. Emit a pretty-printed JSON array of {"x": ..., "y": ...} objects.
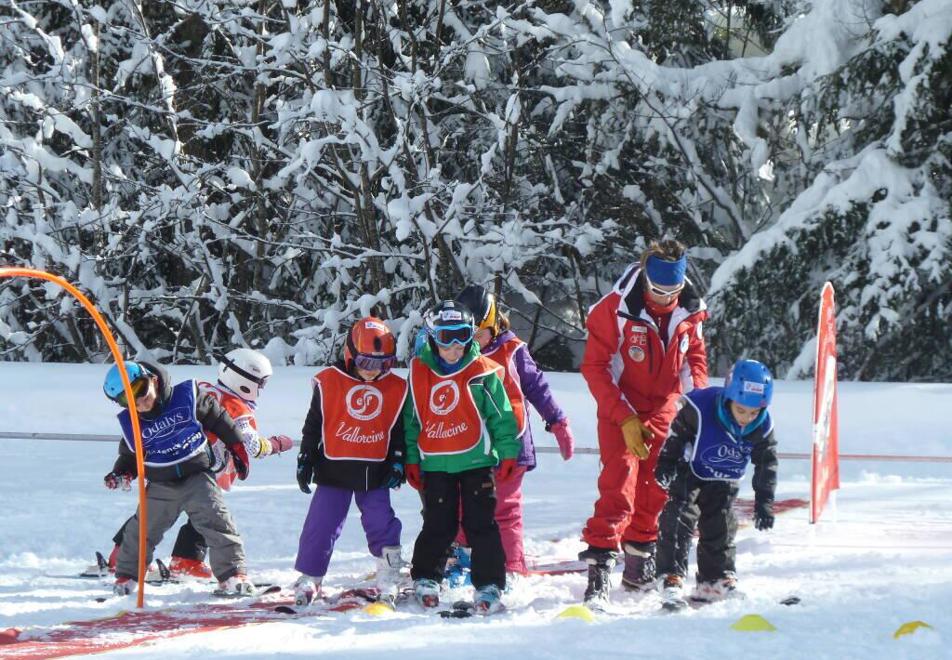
[{"x": 263, "y": 172}]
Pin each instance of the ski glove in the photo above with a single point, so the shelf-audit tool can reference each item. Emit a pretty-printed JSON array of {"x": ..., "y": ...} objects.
[
  {"x": 239, "y": 456},
  {"x": 636, "y": 434},
  {"x": 280, "y": 443},
  {"x": 763, "y": 515},
  {"x": 414, "y": 476},
  {"x": 115, "y": 480},
  {"x": 396, "y": 476},
  {"x": 305, "y": 472},
  {"x": 506, "y": 469},
  {"x": 563, "y": 436}
]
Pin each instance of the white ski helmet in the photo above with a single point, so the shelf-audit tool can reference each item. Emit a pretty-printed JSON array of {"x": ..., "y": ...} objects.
[{"x": 244, "y": 372}]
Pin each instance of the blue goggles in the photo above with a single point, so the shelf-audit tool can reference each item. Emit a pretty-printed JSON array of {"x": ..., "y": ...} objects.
[{"x": 447, "y": 335}]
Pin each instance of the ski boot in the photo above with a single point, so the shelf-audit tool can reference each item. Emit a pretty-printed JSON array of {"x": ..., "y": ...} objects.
[
  {"x": 306, "y": 589},
  {"x": 639, "y": 572},
  {"x": 488, "y": 600},
  {"x": 237, "y": 585},
  {"x": 124, "y": 586},
  {"x": 672, "y": 593},
  {"x": 600, "y": 562},
  {"x": 458, "y": 567},
  {"x": 183, "y": 567},
  {"x": 388, "y": 574},
  {"x": 709, "y": 591},
  {"x": 427, "y": 592}
]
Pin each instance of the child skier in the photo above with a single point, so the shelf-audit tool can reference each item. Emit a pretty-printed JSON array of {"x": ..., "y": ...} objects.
[
  {"x": 523, "y": 381},
  {"x": 714, "y": 435},
  {"x": 352, "y": 447},
  {"x": 175, "y": 421},
  {"x": 459, "y": 426},
  {"x": 242, "y": 374}
]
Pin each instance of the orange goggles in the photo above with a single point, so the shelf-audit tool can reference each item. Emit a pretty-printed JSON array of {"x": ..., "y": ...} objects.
[{"x": 139, "y": 386}]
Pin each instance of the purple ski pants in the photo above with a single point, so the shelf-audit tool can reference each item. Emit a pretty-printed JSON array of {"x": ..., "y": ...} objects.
[{"x": 325, "y": 521}]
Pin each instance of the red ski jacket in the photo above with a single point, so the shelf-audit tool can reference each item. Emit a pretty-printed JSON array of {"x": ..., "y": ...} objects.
[{"x": 627, "y": 367}]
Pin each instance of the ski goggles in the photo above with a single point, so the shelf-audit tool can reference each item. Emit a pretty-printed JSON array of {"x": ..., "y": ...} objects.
[
  {"x": 663, "y": 293},
  {"x": 139, "y": 386},
  {"x": 447, "y": 335},
  {"x": 374, "y": 362}
]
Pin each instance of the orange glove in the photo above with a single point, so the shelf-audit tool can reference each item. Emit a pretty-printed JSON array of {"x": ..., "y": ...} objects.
[
  {"x": 636, "y": 434},
  {"x": 414, "y": 476},
  {"x": 506, "y": 467}
]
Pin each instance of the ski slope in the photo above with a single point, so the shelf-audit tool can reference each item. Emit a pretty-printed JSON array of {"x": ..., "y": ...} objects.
[{"x": 882, "y": 562}]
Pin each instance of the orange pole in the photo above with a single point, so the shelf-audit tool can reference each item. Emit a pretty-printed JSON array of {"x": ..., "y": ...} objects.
[{"x": 117, "y": 355}]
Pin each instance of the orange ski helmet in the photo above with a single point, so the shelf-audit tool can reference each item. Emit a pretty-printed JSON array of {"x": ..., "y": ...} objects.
[{"x": 370, "y": 346}]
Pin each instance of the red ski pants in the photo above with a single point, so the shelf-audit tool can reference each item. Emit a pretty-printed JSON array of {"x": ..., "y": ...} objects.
[{"x": 629, "y": 499}]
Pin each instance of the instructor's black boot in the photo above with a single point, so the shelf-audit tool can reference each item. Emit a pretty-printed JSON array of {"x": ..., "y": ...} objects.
[
  {"x": 639, "y": 572},
  {"x": 601, "y": 562}
]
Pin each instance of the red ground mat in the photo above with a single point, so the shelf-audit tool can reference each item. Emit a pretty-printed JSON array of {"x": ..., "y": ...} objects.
[{"x": 134, "y": 628}]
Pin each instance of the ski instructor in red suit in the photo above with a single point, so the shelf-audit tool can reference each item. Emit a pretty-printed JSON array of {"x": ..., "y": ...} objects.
[{"x": 645, "y": 348}]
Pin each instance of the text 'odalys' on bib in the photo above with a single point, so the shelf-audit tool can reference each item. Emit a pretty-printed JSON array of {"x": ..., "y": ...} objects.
[{"x": 174, "y": 435}]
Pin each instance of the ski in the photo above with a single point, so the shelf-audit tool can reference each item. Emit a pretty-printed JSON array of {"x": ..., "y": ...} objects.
[
  {"x": 697, "y": 603},
  {"x": 461, "y": 609},
  {"x": 260, "y": 590},
  {"x": 99, "y": 570},
  {"x": 158, "y": 575},
  {"x": 348, "y": 599}
]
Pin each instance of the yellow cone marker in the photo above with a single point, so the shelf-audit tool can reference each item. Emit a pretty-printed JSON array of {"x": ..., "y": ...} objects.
[
  {"x": 577, "y": 612},
  {"x": 909, "y": 627},
  {"x": 753, "y": 623},
  {"x": 377, "y": 609}
]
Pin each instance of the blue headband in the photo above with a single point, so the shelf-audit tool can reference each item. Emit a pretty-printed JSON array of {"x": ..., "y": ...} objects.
[{"x": 666, "y": 273}]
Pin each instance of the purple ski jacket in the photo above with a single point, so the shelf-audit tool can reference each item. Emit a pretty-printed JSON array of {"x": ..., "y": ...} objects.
[{"x": 536, "y": 390}]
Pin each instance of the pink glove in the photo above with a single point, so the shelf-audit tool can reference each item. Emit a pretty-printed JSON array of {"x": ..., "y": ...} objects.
[
  {"x": 280, "y": 443},
  {"x": 563, "y": 435},
  {"x": 118, "y": 480}
]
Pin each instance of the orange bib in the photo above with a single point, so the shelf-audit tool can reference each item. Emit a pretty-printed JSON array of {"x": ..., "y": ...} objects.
[
  {"x": 358, "y": 415},
  {"x": 503, "y": 355},
  {"x": 449, "y": 420},
  {"x": 237, "y": 408}
]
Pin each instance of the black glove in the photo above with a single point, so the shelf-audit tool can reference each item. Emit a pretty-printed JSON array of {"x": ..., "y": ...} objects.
[
  {"x": 763, "y": 515},
  {"x": 396, "y": 476},
  {"x": 305, "y": 472},
  {"x": 239, "y": 456},
  {"x": 665, "y": 474}
]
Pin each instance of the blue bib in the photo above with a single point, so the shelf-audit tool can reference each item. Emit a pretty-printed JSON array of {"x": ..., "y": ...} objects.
[
  {"x": 172, "y": 437},
  {"x": 718, "y": 454}
]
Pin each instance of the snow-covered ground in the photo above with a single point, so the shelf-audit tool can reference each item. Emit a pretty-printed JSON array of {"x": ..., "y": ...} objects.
[{"x": 884, "y": 561}]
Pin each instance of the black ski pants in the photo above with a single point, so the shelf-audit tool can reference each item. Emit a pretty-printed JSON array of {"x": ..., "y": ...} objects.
[
  {"x": 706, "y": 506},
  {"x": 189, "y": 544},
  {"x": 442, "y": 494}
]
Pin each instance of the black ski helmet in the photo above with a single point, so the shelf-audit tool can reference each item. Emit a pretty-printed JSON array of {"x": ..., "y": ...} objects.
[{"x": 481, "y": 303}]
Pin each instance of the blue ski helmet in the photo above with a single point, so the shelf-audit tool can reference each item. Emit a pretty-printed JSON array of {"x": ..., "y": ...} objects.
[
  {"x": 749, "y": 383},
  {"x": 112, "y": 386}
]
